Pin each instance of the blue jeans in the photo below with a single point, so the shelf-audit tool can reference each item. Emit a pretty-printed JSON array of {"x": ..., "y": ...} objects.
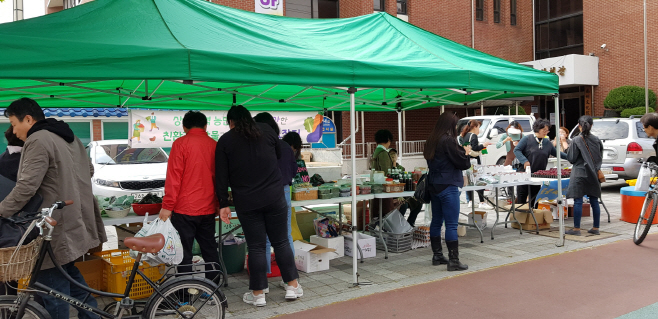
[
  {"x": 445, "y": 207},
  {"x": 268, "y": 253},
  {"x": 57, "y": 308},
  {"x": 578, "y": 211}
]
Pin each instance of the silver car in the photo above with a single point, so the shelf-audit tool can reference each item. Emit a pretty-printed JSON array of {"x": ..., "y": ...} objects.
[{"x": 625, "y": 145}]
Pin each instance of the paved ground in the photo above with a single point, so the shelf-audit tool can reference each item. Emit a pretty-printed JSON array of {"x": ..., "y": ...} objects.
[{"x": 413, "y": 267}]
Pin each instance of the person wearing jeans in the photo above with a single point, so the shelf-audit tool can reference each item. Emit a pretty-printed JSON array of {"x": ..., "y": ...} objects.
[
  {"x": 288, "y": 168},
  {"x": 586, "y": 156},
  {"x": 59, "y": 309},
  {"x": 246, "y": 159},
  {"x": 446, "y": 160}
]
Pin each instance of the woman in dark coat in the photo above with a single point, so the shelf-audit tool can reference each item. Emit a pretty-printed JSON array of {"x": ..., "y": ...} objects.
[
  {"x": 586, "y": 155},
  {"x": 446, "y": 160}
]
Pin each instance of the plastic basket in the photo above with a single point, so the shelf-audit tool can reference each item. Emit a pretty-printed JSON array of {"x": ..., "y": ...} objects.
[
  {"x": 396, "y": 243},
  {"x": 393, "y": 188},
  {"x": 116, "y": 274},
  {"x": 20, "y": 266},
  {"x": 305, "y": 193}
]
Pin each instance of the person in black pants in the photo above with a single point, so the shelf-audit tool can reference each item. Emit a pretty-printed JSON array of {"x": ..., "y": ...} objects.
[
  {"x": 533, "y": 152},
  {"x": 470, "y": 137},
  {"x": 11, "y": 158},
  {"x": 246, "y": 159}
]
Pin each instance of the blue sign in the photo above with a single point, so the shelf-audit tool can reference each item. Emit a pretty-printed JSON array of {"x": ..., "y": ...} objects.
[
  {"x": 549, "y": 192},
  {"x": 328, "y": 134}
]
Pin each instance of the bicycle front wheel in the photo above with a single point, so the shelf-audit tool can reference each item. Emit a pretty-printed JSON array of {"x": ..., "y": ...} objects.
[
  {"x": 646, "y": 218},
  {"x": 187, "y": 296},
  {"x": 32, "y": 311}
]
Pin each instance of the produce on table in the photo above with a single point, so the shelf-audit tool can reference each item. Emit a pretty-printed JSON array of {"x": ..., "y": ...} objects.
[
  {"x": 114, "y": 203},
  {"x": 552, "y": 173},
  {"x": 150, "y": 198}
]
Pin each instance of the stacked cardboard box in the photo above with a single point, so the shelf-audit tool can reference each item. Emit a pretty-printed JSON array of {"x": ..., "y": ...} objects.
[{"x": 544, "y": 219}]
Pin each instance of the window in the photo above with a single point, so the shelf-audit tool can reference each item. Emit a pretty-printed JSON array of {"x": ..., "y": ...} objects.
[
  {"x": 479, "y": 10},
  {"x": 115, "y": 131},
  {"x": 82, "y": 130},
  {"x": 640, "y": 130},
  {"x": 512, "y": 12},
  {"x": 496, "y": 10},
  {"x": 378, "y": 5},
  {"x": 610, "y": 130},
  {"x": 558, "y": 28},
  {"x": 402, "y": 6}
]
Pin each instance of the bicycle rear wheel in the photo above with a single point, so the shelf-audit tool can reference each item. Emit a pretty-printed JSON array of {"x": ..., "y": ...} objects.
[
  {"x": 646, "y": 218},
  {"x": 32, "y": 311},
  {"x": 189, "y": 296}
]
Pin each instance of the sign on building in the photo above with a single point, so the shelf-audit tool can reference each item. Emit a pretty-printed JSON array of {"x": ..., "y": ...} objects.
[{"x": 273, "y": 7}]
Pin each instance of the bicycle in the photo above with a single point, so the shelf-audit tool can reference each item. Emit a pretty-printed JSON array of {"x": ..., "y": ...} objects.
[
  {"x": 182, "y": 296},
  {"x": 648, "y": 212}
]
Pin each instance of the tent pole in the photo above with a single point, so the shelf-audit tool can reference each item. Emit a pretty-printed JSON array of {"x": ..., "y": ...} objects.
[
  {"x": 517, "y": 107},
  {"x": 481, "y": 108},
  {"x": 443, "y": 108},
  {"x": 363, "y": 131},
  {"x": 560, "y": 241},
  {"x": 355, "y": 239},
  {"x": 400, "y": 136}
]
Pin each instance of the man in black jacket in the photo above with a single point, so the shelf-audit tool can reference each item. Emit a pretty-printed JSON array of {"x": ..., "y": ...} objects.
[
  {"x": 11, "y": 158},
  {"x": 650, "y": 123}
]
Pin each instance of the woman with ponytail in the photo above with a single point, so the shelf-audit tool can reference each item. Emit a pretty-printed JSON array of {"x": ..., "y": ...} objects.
[
  {"x": 585, "y": 154},
  {"x": 470, "y": 137},
  {"x": 246, "y": 159}
]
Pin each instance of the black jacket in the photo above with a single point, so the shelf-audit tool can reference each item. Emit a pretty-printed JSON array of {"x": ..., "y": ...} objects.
[
  {"x": 9, "y": 165},
  {"x": 449, "y": 161}
]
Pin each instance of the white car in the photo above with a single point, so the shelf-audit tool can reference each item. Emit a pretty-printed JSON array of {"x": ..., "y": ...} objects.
[{"x": 120, "y": 170}]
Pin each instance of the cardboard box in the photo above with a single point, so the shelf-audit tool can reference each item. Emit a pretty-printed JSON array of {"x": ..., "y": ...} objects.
[
  {"x": 586, "y": 210},
  {"x": 92, "y": 271},
  {"x": 311, "y": 258},
  {"x": 544, "y": 220},
  {"x": 307, "y": 156},
  {"x": 553, "y": 208},
  {"x": 337, "y": 243},
  {"x": 367, "y": 243},
  {"x": 480, "y": 219}
]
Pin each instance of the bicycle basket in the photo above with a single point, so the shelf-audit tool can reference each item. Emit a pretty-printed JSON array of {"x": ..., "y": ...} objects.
[{"x": 22, "y": 263}]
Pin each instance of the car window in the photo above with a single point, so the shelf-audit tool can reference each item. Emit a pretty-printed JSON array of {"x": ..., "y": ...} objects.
[
  {"x": 502, "y": 126},
  {"x": 640, "y": 130},
  {"x": 525, "y": 125},
  {"x": 483, "y": 127},
  {"x": 122, "y": 154},
  {"x": 610, "y": 130}
]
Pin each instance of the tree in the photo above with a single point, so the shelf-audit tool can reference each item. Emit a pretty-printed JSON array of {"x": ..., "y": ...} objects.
[{"x": 628, "y": 97}]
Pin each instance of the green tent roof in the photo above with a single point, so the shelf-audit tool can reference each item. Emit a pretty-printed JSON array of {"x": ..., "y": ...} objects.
[{"x": 193, "y": 54}]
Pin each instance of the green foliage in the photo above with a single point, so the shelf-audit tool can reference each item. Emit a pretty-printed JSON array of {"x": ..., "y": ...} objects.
[
  {"x": 636, "y": 111},
  {"x": 628, "y": 97},
  {"x": 504, "y": 110}
]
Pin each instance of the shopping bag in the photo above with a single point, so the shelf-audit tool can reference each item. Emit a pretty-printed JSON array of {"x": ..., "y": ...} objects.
[
  {"x": 643, "y": 179},
  {"x": 395, "y": 223},
  {"x": 172, "y": 252}
]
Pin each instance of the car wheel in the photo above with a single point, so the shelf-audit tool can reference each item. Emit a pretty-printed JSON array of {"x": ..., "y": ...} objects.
[
  {"x": 501, "y": 160},
  {"x": 651, "y": 159}
]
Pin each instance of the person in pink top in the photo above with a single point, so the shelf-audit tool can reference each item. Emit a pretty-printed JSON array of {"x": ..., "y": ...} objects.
[{"x": 190, "y": 191}]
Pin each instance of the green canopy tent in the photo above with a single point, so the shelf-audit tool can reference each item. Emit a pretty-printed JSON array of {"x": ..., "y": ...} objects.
[{"x": 193, "y": 54}]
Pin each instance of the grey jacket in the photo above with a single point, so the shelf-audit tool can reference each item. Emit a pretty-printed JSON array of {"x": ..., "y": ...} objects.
[
  {"x": 58, "y": 170},
  {"x": 584, "y": 177}
]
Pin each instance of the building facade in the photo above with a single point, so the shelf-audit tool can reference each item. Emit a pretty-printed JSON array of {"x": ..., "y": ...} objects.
[{"x": 561, "y": 36}]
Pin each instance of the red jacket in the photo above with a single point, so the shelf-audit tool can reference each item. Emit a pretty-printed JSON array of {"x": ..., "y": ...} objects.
[{"x": 190, "y": 183}]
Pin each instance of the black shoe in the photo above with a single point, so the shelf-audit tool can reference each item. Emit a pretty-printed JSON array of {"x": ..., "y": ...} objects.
[
  {"x": 453, "y": 254},
  {"x": 594, "y": 231},
  {"x": 437, "y": 258},
  {"x": 572, "y": 232}
]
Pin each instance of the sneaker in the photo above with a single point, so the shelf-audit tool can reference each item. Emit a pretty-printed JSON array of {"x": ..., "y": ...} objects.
[
  {"x": 485, "y": 206},
  {"x": 258, "y": 301},
  {"x": 292, "y": 293},
  {"x": 266, "y": 290},
  {"x": 572, "y": 232},
  {"x": 594, "y": 231},
  {"x": 470, "y": 204},
  {"x": 462, "y": 201}
]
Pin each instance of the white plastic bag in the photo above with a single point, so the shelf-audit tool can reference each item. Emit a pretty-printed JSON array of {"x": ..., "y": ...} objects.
[
  {"x": 172, "y": 252},
  {"x": 643, "y": 179}
]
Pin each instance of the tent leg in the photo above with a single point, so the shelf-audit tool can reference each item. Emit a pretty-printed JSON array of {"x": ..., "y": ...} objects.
[
  {"x": 443, "y": 108},
  {"x": 355, "y": 260},
  {"x": 400, "y": 147},
  {"x": 481, "y": 108},
  {"x": 558, "y": 147}
]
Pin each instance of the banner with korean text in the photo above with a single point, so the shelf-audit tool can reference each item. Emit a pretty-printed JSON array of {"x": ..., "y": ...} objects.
[{"x": 160, "y": 128}]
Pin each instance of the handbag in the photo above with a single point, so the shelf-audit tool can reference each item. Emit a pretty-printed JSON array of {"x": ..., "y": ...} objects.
[
  {"x": 599, "y": 173},
  {"x": 422, "y": 193},
  {"x": 473, "y": 153}
]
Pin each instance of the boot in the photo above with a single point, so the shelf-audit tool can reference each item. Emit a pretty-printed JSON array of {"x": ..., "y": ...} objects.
[
  {"x": 453, "y": 254},
  {"x": 438, "y": 258}
]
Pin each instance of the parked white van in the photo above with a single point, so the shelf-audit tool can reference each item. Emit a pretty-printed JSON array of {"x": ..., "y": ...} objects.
[{"x": 492, "y": 127}]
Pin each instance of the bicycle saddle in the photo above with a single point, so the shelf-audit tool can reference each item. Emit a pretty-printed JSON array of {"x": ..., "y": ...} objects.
[{"x": 149, "y": 244}]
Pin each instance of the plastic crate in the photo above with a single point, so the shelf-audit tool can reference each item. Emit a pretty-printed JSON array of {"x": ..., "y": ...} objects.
[
  {"x": 304, "y": 193},
  {"x": 393, "y": 188},
  {"x": 396, "y": 243},
  {"x": 116, "y": 273}
]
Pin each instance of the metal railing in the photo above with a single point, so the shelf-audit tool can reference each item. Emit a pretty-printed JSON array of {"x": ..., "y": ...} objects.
[
  {"x": 365, "y": 150},
  {"x": 412, "y": 148}
]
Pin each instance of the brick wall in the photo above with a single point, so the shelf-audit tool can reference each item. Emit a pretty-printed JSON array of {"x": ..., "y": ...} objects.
[
  {"x": 619, "y": 24},
  {"x": 97, "y": 131},
  {"x": 354, "y": 8},
  {"x": 247, "y": 5}
]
